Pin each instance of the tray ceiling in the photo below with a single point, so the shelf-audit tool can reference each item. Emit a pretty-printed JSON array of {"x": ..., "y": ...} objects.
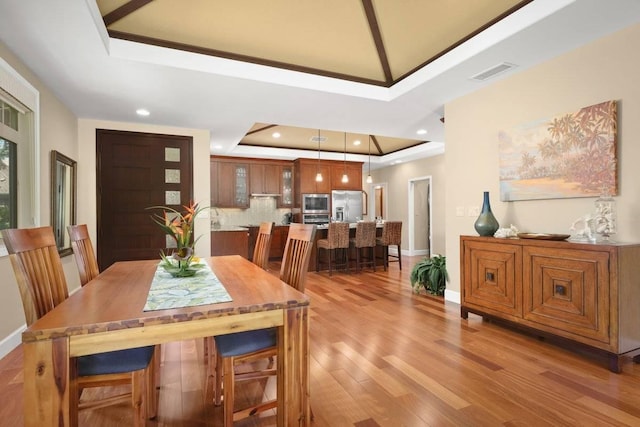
[{"x": 376, "y": 42}]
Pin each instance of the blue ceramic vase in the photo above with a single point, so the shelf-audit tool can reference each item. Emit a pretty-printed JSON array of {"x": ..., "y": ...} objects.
[{"x": 486, "y": 224}]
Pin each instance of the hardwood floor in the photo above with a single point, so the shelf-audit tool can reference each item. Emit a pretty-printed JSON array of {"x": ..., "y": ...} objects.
[{"x": 382, "y": 356}]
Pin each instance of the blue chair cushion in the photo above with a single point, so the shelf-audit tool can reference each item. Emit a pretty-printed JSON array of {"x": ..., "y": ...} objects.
[
  {"x": 115, "y": 362},
  {"x": 240, "y": 343}
]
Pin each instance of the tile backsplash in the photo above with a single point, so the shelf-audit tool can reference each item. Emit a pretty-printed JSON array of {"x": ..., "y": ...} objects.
[{"x": 260, "y": 209}]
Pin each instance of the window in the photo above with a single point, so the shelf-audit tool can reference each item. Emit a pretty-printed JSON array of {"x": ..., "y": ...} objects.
[
  {"x": 8, "y": 187},
  {"x": 8, "y": 115},
  {"x": 19, "y": 151}
]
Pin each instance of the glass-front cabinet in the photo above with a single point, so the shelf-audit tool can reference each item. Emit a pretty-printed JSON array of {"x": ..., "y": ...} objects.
[
  {"x": 286, "y": 187},
  {"x": 230, "y": 184}
]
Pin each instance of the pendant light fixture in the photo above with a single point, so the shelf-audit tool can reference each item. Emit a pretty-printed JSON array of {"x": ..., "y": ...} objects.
[
  {"x": 318, "y": 174},
  {"x": 345, "y": 178},
  {"x": 369, "y": 179}
]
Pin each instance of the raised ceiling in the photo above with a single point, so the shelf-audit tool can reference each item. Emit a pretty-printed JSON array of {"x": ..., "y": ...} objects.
[{"x": 375, "y": 42}]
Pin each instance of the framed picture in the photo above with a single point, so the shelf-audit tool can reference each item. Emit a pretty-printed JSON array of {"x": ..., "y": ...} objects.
[{"x": 570, "y": 155}]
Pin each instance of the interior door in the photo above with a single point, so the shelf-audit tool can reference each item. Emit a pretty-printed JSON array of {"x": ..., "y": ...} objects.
[{"x": 136, "y": 171}]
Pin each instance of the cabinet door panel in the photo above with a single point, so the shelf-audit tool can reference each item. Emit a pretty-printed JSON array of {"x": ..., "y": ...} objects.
[
  {"x": 492, "y": 277},
  {"x": 567, "y": 290}
]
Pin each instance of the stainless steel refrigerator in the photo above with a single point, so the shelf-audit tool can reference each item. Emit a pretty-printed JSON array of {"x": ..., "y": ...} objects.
[{"x": 346, "y": 206}]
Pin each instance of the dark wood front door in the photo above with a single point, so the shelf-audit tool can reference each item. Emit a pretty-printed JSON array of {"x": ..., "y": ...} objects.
[{"x": 136, "y": 171}]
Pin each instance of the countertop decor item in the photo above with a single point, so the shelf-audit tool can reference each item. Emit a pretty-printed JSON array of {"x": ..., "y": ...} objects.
[
  {"x": 486, "y": 224},
  {"x": 605, "y": 217},
  {"x": 543, "y": 236},
  {"x": 182, "y": 262}
]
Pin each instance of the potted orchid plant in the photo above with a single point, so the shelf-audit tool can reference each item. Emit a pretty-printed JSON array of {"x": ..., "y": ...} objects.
[{"x": 182, "y": 262}]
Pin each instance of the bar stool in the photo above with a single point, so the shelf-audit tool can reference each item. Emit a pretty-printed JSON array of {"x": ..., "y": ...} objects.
[
  {"x": 365, "y": 238},
  {"x": 337, "y": 238},
  {"x": 391, "y": 235}
]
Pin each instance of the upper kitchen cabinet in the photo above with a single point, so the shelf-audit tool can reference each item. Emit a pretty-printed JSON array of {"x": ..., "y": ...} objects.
[
  {"x": 354, "y": 173},
  {"x": 286, "y": 186},
  {"x": 229, "y": 183},
  {"x": 264, "y": 178},
  {"x": 305, "y": 171},
  {"x": 235, "y": 179}
]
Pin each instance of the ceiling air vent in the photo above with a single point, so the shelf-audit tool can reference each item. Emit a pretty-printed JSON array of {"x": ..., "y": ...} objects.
[
  {"x": 490, "y": 72},
  {"x": 318, "y": 139}
]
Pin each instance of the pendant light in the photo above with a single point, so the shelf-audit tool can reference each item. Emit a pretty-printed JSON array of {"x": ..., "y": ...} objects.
[
  {"x": 369, "y": 179},
  {"x": 345, "y": 178},
  {"x": 318, "y": 174}
]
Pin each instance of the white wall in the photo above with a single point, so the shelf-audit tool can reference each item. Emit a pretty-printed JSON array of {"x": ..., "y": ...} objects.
[{"x": 607, "y": 69}]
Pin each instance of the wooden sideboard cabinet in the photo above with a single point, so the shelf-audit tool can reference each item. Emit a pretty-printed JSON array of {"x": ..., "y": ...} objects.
[{"x": 586, "y": 293}]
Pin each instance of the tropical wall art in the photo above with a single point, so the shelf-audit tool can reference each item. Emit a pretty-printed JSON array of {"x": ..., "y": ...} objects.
[{"x": 570, "y": 155}]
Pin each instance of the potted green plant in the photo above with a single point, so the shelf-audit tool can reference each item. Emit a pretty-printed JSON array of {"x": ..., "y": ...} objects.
[{"x": 430, "y": 274}]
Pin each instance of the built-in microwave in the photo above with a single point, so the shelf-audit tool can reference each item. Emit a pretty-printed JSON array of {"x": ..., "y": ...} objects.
[{"x": 316, "y": 203}]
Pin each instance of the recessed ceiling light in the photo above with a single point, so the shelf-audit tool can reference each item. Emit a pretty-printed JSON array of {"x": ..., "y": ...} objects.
[
  {"x": 142, "y": 112},
  {"x": 276, "y": 134},
  {"x": 356, "y": 142},
  {"x": 217, "y": 147},
  {"x": 421, "y": 132}
]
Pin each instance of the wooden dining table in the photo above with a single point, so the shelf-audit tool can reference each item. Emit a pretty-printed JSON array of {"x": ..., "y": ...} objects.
[{"x": 107, "y": 314}]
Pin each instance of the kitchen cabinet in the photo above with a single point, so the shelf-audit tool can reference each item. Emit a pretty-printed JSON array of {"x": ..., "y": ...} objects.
[
  {"x": 305, "y": 171},
  {"x": 264, "y": 178},
  {"x": 229, "y": 184},
  {"x": 230, "y": 242},
  {"x": 354, "y": 173},
  {"x": 584, "y": 293},
  {"x": 286, "y": 186}
]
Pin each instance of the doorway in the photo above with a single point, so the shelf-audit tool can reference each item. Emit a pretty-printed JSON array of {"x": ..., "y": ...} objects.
[
  {"x": 419, "y": 216},
  {"x": 378, "y": 201},
  {"x": 136, "y": 171}
]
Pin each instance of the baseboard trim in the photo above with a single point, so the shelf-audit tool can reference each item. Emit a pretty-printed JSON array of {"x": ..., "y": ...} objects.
[
  {"x": 452, "y": 296},
  {"x": 11, "y": 341}
]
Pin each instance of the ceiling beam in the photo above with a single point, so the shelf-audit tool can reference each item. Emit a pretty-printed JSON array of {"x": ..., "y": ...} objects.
[
  {"x": 377, "y": 38},
  {"x": 124, "y": 10},
  {"x": 375, "y": 142}
]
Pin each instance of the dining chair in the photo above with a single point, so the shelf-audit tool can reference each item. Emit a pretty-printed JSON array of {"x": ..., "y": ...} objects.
[
  {"x": 337, "y": 240},
  {"x": 263, "y": 244},
  {"x": 364, "y": 239},
  {"x": 241, "y": 347},
  {"x": 42, "y": 285},
  {"x": 391, "y": 236},
  {"x": 83, "y": 252}
]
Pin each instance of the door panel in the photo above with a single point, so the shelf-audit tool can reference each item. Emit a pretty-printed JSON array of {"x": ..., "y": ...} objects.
[{"x": 136, "y": 171}]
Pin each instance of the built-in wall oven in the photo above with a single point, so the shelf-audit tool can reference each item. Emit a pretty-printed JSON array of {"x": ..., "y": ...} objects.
[{"x": 317, "y": 219}]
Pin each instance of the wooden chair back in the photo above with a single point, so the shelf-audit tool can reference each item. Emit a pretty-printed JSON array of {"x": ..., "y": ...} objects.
[
  {"x": 38, "y": 269},
  {"x": 83, "y": 252},
  {"x": 297, "y": 252},
  {"x": 263, "y": 244}
]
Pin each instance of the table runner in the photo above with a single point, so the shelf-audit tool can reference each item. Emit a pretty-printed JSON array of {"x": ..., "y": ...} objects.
[{"x": 174, "y": 292}]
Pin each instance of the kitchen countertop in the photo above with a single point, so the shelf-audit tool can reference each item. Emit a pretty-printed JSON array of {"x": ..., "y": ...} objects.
[{"x": 229, "y": 228}]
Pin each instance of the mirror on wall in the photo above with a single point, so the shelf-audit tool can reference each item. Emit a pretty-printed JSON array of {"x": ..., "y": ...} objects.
[{"x": 63, "y": 199}]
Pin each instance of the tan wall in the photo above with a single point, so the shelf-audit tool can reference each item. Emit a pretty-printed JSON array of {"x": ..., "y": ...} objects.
[
  {"x": 397, "y": 180},
  {"x": 606, "y": 69},
  {"x": 61, "y": 130},
  {"x": 58, "y": 131}
]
